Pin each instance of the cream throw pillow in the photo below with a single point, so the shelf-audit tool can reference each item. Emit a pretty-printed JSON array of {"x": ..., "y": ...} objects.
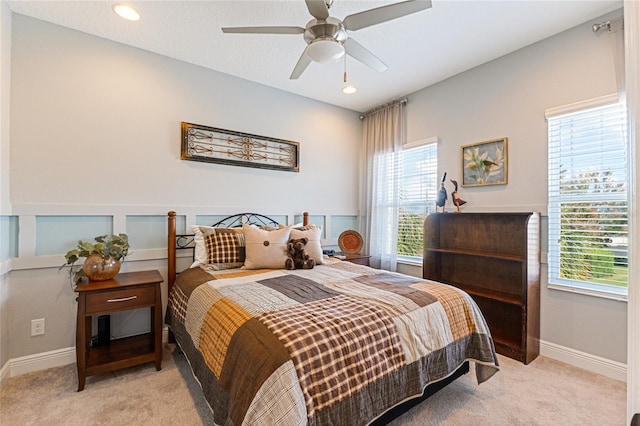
[
  {"x": 199, "y": 232},
  {"x": 265, "y": 249},
  {"x": 314, "y": 234}
]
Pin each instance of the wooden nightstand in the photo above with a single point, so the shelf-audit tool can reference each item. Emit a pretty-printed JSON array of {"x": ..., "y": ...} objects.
[
  {"x": 126, "y": 291},
  {"x": 360, "y": 259}
]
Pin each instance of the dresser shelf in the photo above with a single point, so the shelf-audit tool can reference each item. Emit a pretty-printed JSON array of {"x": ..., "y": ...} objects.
[{"x": 495, "y": 257}]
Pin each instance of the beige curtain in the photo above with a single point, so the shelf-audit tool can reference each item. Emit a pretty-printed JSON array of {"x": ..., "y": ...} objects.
[
  {"x": 632, "y": 78},
  {"x": 384, "y": 134},
  {"x": 616, "y": 38}
]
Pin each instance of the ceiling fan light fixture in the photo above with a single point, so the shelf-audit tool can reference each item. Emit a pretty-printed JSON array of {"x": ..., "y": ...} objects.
[
  {"x": 349, "y": 89},
  {"x": 125, "y": 11},
  {"x": 323, "y": 51}
]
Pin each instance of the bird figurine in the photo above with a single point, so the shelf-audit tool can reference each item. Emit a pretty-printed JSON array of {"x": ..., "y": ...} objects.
[
  {"x": 457, "y": 201},
  {"x": 441, "y": 200}
]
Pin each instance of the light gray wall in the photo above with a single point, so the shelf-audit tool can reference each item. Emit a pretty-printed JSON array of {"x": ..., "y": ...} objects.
[
  {"x": 5, "y": 83},
  {"x": 95, "y": 130},
  {"x": 96, "y": 122},
  {"x": 507, "y": 98}
]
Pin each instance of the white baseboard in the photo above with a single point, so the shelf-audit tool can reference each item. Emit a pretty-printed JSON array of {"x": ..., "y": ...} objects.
[
  {"x": 44, "y": 360},
  {"x": 4, "y": 371},
  {"x": 606, "y": 367},
  {"x": 41, "y": 361}
]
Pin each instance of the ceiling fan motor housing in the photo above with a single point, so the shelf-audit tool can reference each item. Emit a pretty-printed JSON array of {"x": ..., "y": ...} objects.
[{"x": 329, "y": 29}]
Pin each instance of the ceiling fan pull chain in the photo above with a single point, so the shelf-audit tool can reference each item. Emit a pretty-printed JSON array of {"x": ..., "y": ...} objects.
[{"x": 345, "y": 68}]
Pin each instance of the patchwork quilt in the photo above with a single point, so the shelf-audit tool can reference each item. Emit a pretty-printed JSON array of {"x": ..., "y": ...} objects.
[{"x": 338, "y": 344}]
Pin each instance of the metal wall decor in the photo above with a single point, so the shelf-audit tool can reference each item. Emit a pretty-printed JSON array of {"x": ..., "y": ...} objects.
[{"x": 213, "y": 145}]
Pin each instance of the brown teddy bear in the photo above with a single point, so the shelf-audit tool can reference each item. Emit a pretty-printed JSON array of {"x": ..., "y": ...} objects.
[{"x": 298, "y": 256}]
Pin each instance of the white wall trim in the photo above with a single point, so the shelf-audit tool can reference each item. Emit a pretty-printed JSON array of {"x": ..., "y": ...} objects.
[
  {"x": 38, "y": 209},
  {"x": 42, "y": 361},
  {"x": 586, "y": 104},
  {"x": 4, "y": 371},
  {"x": 542, "y": 209},
  {"x": 6, "y": 266},
  {"x": 53, "y": 261},
  {"x": 606, "y": 367}
]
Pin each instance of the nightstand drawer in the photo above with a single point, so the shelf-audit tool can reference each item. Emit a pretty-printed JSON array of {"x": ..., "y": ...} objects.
[{"x": 128, "y": 298}]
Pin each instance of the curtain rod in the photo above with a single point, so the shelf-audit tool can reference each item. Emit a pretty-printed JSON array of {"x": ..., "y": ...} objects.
[
  {"x": 617, "y": 23},
  {"x": 378, "y": 108}
]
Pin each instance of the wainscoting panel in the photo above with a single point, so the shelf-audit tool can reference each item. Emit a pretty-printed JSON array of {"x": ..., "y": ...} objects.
[
  {"x": 340, "y": 223},
  {"x": 9, "y": 240},
  {"x": 58, "y": 234},
  {"x": 147, "y": 232}
]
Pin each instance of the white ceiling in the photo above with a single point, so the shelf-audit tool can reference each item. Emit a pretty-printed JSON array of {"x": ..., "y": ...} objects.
[{"x": 420, "y": 49}]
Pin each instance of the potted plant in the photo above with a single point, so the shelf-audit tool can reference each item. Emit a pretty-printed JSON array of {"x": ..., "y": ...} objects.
[{"x": 103, "y": 258}]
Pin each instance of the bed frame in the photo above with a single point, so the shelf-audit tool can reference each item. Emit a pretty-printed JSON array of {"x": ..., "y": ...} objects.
[{"x": 181, "y": 242}]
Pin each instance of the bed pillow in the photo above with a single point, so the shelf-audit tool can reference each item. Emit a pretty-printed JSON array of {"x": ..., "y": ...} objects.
[
  {"x": 218, "y": 248},
  {"x": 225, "y": 249},
  {"x": 200, "y": 251},
  {"x": 265, "y": 249},
  {"x": 313, "y": 233}
]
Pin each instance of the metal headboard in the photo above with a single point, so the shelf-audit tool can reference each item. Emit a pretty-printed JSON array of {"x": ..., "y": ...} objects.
[
  {"x": 186, "y": 241},
  {"x": 237, "y": 220}
]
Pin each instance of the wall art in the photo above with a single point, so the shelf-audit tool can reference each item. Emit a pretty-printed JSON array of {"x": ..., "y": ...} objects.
[
  {"x": 485, "y": 163},
  {"x": 213, "y": 145}
]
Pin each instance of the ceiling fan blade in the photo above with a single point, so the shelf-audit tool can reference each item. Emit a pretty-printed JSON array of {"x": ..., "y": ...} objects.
[
  {"x": 384, "y": 13},
  {"x": 302, "y": 65},
  {"x": 263, "y": 30},
  {"x": 359, "y": 52},
  {"x": 318, "y": 9}
]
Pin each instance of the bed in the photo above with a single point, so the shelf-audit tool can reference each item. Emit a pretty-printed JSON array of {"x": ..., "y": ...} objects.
[{"x": 339, "y": 344}]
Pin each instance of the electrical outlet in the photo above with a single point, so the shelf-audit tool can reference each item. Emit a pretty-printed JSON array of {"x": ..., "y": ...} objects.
[{"x": 37, "y": 327}]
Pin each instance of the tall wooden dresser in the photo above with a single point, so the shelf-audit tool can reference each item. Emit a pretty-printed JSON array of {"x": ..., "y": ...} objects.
[{"x": 495, "y": 257}]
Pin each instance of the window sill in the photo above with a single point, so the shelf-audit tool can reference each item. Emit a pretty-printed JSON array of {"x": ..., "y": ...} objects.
[
  {"x": 410, "y": 262},
  {"x": 587, "y": 292}
]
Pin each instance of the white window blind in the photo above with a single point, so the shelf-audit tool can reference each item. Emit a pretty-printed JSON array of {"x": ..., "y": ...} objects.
[
  {"x": 588, "y": 205},
  {"x": 416, "y": 184}
]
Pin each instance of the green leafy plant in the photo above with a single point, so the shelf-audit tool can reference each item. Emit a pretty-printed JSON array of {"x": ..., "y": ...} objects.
[{"x": 114, "y": 246}]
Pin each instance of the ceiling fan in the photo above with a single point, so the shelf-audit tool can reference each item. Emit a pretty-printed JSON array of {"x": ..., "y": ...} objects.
[{"x": 327, "y": 38}]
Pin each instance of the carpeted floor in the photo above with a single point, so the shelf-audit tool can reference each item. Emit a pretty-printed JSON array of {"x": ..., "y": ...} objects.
[{"x": 545, "y": 392}]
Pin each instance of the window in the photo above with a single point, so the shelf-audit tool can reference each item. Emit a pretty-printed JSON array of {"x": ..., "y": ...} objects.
[
  {"x": 588, "y": 205},
  {"x": 411, "y": 187}
]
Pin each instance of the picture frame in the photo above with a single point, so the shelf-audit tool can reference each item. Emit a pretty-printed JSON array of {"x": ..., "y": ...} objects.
[
  {"x": 485, "y": 163},
  {"x": 214, "y": 145}
]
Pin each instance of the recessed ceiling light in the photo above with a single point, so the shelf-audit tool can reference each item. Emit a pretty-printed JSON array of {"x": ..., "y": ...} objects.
[
  {"x": 125, "y": 11},
  {"x": 349, "y": 89}
]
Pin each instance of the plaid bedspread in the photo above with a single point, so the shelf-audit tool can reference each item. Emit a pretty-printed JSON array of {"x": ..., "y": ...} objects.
[{"x": 338, "y": 344}]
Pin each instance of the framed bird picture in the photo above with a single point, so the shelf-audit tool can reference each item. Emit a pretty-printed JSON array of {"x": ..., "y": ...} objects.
[{"x": 485, "y": 163}]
